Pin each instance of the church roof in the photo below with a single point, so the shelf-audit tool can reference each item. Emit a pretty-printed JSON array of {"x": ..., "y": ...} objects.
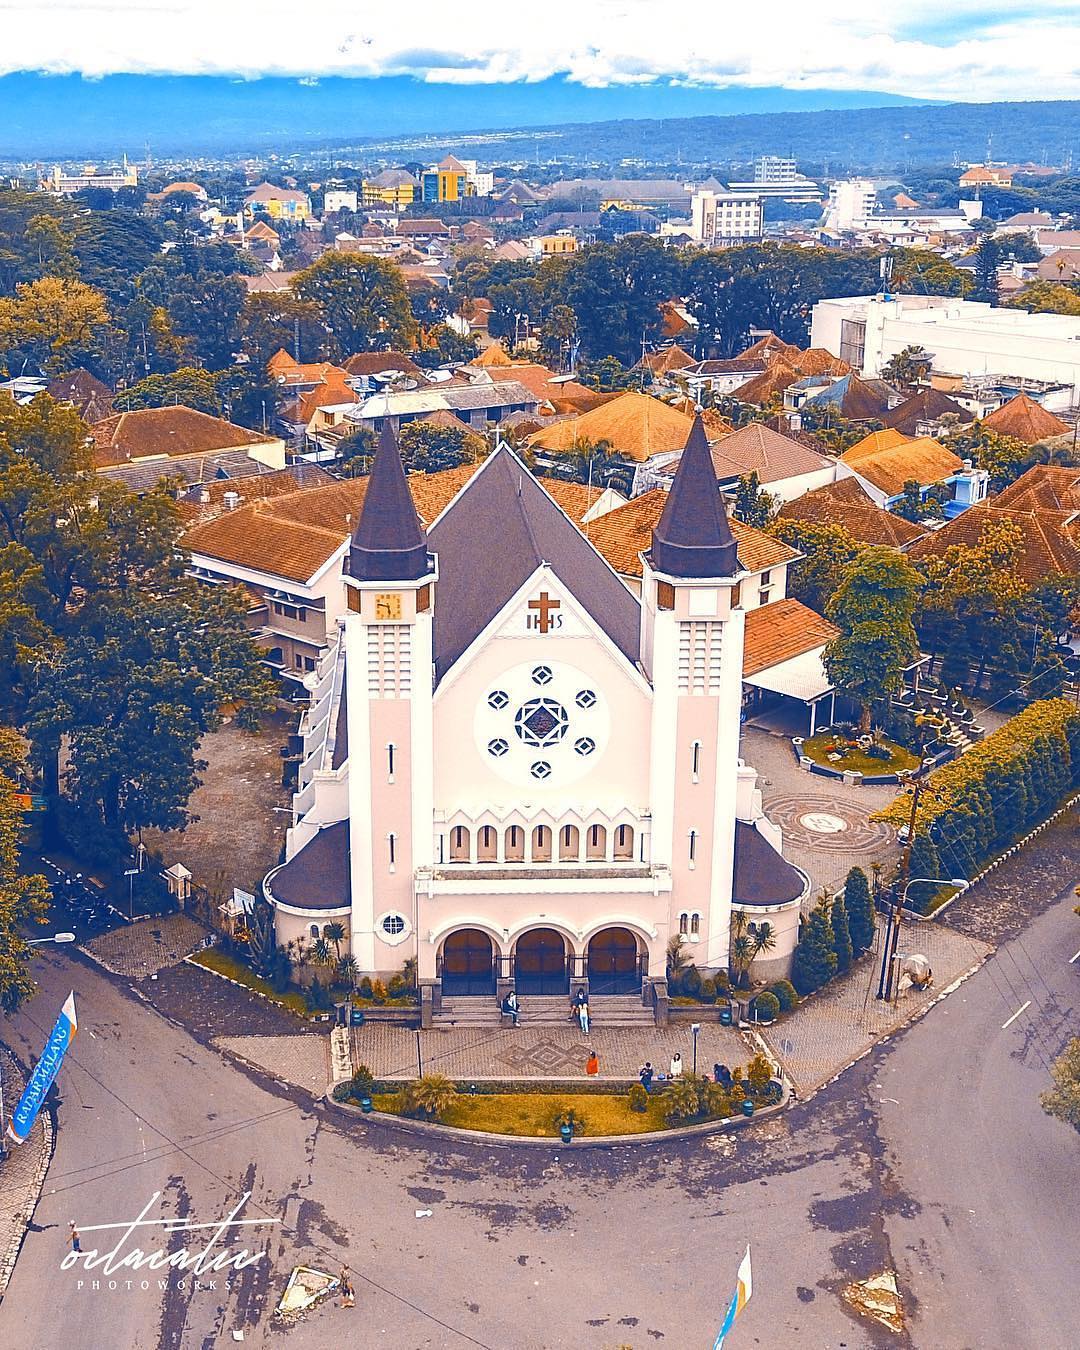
[
  {"x": 762, "y": 876},
  {"x": 493, "y": 537},
  {"x": 318, "y": 876},
  {"x": 388, "y": 543},
  {"x": 693, "y": 538}
]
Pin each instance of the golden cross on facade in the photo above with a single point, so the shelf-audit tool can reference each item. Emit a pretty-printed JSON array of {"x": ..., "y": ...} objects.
[{"x": 544, "y": 607}]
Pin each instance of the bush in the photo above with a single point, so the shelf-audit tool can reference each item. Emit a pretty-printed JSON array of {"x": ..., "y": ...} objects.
[
  {"x": 715, "y": 1099},
  {"x": 784, "y": 993},
  {"x": 365, "y": 987},
  {"x": 815, "y": 960},
  {"x": 378, "y": 991},
  {"x": 637, "y": 1098},
  {"x": 429, "y": 1097},
  {"x": 758, "y": 1074},
  {"x": 876, "y": 751},
  {"x": 566, "y": 1115},
  {"x": 363, "y": 1081},
  {"x": 859, "y": 904},
  {"x": 766, "y": 1007},
  {"x": 397, "y": 987},
  {"x": 317, "y": 997},
  {"x": 707, "y": 992},
  {"x": 342, "y": 1092},
  {"x": 691, "y": 982},
  {"x": 683, "y": 1100}
]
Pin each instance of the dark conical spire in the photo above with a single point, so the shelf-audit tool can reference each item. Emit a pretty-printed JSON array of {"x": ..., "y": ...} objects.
[
  {"x": 693, "y": 538},
  {"x": 388, "y": 543}
]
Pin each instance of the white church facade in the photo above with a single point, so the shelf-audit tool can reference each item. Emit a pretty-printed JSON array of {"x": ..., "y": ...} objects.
[{"x": 518, "y": 771}]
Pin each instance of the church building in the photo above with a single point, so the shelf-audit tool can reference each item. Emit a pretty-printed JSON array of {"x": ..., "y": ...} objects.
[{"x": 518, "y": 771}]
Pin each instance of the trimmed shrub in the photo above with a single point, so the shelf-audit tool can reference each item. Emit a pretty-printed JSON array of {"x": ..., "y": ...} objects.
[
  {"x": 838, "y": 918},
  {"x": 923, "y": 862},
  {"x": 859, "y": 904},
  {"x": 758, "y": 1073},
  {"x": 637, "y": 1098},
  {"x": 365, "y": 987},
  {"x": 683, "y": 1100},
  {"x": 691, "y": 982},
  {"x": 784, "y": 993},
  {"x": 363, "y": 1081},
  {"x": 766, "y": 1007},
  {"x": 815, "y": 960},
  {"x": 567, "y": 1115}
]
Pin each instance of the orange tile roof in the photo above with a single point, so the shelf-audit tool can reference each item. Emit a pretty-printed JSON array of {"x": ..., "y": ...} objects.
[
  {"x": 780, "y": 632},
  {"x": 636, "y": 425},
  {"x": 495, "y": 355},
  {"x": 574, "y": 498},
  {"x": 774, "y": 379},
  {"x": 253, "y": 488},
  {"x": 543, "y": 383},
  {"x": 879, "y": 440},
  {"x": 924, "y": 461},
  {"x": 324, "y": 395},
  {"x": 847, "y": 504},
  {"x": 621, "y": 535},
  {"x": 166, "y": 431},
  {"x": 1025, "y": 419},
  {"x": 757, "y": 448},
  {"x": 1048, "y": 550},
  {"x": 1043, "y": 487},
  {"x": 671, "y": 358}
]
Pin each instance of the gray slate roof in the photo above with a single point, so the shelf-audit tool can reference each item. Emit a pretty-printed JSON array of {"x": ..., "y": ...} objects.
[
  {"x": 762, "y": 876},
  {"x": 491, "y": 539},
  {"x": 318, "y": 876}
]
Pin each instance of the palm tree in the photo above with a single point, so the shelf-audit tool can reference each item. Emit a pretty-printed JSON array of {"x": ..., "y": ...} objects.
[
  {"x": 678, "y": 959},
  {"x": 431, "y": 1095},
  {"x": 763, "y": 940},
  {"x": 335, "y": 933},
  {"x": 347, "y": 971}
]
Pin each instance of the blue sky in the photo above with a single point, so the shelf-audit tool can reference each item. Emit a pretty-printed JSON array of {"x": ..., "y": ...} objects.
[{"x": 919, "y": 49}]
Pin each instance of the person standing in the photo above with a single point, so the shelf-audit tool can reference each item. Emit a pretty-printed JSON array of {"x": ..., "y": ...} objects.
[
  {"x": 675, "y": 1068},
  {"x": 583, "y": 1016},
  {"x": 348, "y": 1296},
  {"x": 645, "y": 1074},
  {"x": 592, "y": 1064}
]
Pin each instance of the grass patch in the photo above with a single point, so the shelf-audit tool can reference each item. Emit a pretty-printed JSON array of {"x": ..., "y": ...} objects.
[
  {"x": 222, "y": 964},
  {"x": 854, "y": 760},
  {"x": 533, "y": 1113}
]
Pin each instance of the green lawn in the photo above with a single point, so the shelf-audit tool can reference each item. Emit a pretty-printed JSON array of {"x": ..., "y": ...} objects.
[
  {"x": 853, "y": 760},
  {"x": 214, "y": 959},
  {"x": 533, "y": 1113}
]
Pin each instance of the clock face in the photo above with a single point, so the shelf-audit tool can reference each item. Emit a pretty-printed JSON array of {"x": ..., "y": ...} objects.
[
  {"x": 544, "y": 722},
  {"x": 388, "y": 606}
]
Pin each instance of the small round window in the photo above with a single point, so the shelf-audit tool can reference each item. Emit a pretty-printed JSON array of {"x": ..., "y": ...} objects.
[
  {"x": 498, "y": 747},
  {"x": 541, "y": 675},
  {"x": 393, "y": 925},
  {"x": 541, "y": 769},
  {"x": 585, "y": 698},
  {"x": 584, "y": 745},
  {"x": 498, "y": 699}
]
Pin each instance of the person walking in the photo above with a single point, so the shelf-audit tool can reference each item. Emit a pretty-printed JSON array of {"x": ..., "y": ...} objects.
[
  {"x": 348, "y": 1296},
  {"x": 592, "y": 1064},
  {"x": 75, "y": 1245},
  {"x": 645, "y": 1074},
  {"x": 510, "y": 1007},
  {"x": 583, "y": 1017},
  {"x": 675, "y": 1068}
]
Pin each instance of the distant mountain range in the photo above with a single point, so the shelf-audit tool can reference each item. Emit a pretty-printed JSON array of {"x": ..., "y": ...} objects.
[
  {"x": 66, "y": 115},
  {"x": 397, "y": 119}
]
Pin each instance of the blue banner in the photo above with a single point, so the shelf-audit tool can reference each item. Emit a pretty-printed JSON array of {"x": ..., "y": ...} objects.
[{"x": 46, "y": 1069}]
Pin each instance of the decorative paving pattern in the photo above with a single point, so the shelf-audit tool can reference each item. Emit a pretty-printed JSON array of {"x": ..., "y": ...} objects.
[
  {"x": 828, "y": 823},
  {"x": 541, "y": 1057}
]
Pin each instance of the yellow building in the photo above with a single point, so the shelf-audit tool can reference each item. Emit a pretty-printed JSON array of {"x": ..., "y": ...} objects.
[
  {"x": 278, "y": 203},
  {"x": 394, "y": 188},
  {"x": 548, "y": 245},
  {"x": 447, "y": 182}
]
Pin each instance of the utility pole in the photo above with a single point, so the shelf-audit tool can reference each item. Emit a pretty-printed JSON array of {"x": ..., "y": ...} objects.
[{"x": 892, "y": 923}]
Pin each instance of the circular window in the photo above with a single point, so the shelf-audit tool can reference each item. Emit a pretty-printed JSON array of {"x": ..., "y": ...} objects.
[
  {"x": 541, "y": 721},
  {"x": 541, "y": 769},
  {"x": 498, "y": 698},
  {"x": 541, "y": 675},
  {"x": 584, "y": 745},
  {"x": 393, "y": 924},
  {"x": 393, "y": 928},
  {"x": 585, "y": 698},
  {"x": 498, "y": 747}
]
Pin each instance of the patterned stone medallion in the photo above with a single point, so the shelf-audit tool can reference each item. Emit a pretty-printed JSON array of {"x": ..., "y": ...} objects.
[
  {"x": 541, "y": 1057},
  {"x": 826, "y": 823}
]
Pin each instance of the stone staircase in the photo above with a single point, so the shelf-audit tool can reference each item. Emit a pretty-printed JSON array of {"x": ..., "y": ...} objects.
[{"x": 606, "y": 1010}]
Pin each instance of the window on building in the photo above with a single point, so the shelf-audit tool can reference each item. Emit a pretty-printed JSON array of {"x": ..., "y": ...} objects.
[
  {"x": 487, "y": 844},
  {"x": 624, "y": 841},
  {"x": 309, "y": 663},
  {"x": 684, "y": 924},
  {"x": 569, "y": 844},
  {"x": 596, "y": 843},
  {"x": 692, "y": 851},
  {"x": 393, "y": 925},
  {"x": 695, "y": 759},
  {"x": 459, "y": 844},
  {"x": 391, "y": 842},
  {"x": 514, "y": 844},
  {"x": 390, "y": 758},
  {"x": 541, "y": 844},
  {"x": 695, "y": 925},
  {"x": 314, "y": 931}
]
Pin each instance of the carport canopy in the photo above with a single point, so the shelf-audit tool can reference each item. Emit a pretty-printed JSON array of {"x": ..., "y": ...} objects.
[{"x": 802, "y": 677}]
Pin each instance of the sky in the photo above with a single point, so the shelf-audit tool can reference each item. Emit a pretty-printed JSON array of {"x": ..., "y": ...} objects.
[{"x": 973, "y": 50}]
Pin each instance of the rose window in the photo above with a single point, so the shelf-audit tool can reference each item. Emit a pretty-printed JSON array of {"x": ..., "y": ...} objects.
[{"x": 541, "y": 721}]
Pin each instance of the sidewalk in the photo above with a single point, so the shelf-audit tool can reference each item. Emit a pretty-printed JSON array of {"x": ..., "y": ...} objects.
[
  {"x": 843, "y": 1020},
  {"x": 22, "y": 1172},
  {"x": 525, "y": 1052},
  {"x": 146, "y": 946}
]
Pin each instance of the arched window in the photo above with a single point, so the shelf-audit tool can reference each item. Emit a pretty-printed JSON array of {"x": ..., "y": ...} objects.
[
  {"x": 684, "y": 924},
  {"x": 624, "y": 841},
  {"x": 487, "y": 844},
  {"x": 695, "y": 925},
  {"x": 314, "y": 931},
  {"x": 459, "y": 844},
  {"x": 692, "y": 847},
  {"x": 596, "y": 843},
  {"x": 569, "y": 844},
  {"x": 541, "y": 844},
  {"x": 514, "y": 844}
]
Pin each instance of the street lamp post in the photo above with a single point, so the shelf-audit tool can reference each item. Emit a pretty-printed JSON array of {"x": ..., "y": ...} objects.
[
  {"x": 892, "y": 930},
  {"x": 695, "y": 1031},
  {"x": 56, "y": 937}
]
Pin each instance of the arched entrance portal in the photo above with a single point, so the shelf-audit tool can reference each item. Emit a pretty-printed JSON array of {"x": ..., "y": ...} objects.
[
  {"x": 468, "y": 965},
  {"x": 614, "y": 964},
  {"x": 540, "y": 963}
]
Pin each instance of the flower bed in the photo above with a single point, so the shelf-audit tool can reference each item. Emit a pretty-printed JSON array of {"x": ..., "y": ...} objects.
[{"x": 852, "y": 759}]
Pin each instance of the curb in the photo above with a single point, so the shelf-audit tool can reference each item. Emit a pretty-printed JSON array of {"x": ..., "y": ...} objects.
[
  {"x": 432, "y": 1130},
  {"x": 316, "y": 1019},
  {"x": 8, "y": 1259}
]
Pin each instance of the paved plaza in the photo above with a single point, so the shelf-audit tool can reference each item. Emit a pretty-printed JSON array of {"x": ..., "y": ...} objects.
[{"x": 147, "y": 946}]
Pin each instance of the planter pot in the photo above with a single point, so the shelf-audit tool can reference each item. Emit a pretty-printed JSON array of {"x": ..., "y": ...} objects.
[
  {"x": 747, "y": 1107},
  {"x": 566, "y": 1133},
  {"x": 727, "y": 1017},
  {"x": 365, "y": 1105}
]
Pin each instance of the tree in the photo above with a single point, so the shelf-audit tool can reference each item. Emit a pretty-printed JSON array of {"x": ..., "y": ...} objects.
[
  {"x": 1046, "y": 297},
  {"x": 270, "y": 320},
  {"x": 190, "y": 386},
  {"x": 335, "y": 933},
  {"x": 740, "y": 948},
  {"x": 558, "y": 333},
  {"x": 842, "y": 944},
  {"x": 52, "y": 323},
  {"x": 815, "y": 957},
  {"x": 752, "y": 504},
  {"x": 51, "y": 244},
  {"x": 427, "y": 448},
  {"x": 873, "y": 608},
  {"x": 597, "y": 464},
  {"x": 859, "y": 905},
  {"x": 355, "y": 452},
  {"x": 827, "y": 550},
  {"x": 987, "y": 256},
  {"x": 922, "y": 862},
  {"x": 430, "y": 1096},
  {"x": 362, "y": 302},
  {"x": 205, "y": 307},
  {"x": 764, "y": 940},
  {"x": 23, "y": 898},
  {"x": 1062, "y": 1101},
  {"x": 907, "y": 367}
]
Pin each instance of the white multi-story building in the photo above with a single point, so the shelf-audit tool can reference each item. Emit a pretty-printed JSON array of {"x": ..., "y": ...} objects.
[
  {"x": 779, "y": 178},
  {"x": 725, "y": 217},
  {"x": 965, "y": 337},
  {"x": 484, "y": 183},
  {"x": 67, "y": 184},
  {"x": 851, "y": 204},
  {"x": 338, "y": 199}
]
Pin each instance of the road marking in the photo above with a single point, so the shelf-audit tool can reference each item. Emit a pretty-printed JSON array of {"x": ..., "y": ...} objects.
[
  {"x": 1074, "y": 958},
  {"x": 1015, "y": 1015}
]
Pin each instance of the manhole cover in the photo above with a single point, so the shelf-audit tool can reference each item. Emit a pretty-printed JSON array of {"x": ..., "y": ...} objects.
[{"x": 822, "y": 823}]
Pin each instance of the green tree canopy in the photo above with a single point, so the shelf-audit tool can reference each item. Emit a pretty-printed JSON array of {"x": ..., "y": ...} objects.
[{"x": 362, "y": 301}]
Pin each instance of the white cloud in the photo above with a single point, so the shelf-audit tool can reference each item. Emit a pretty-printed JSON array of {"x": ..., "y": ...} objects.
[{"x": 969, "y": 50}]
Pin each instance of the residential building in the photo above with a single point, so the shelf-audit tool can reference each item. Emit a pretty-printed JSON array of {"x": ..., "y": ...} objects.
[
  {"x": 667, "y": 193},
  {"x": 564, "y": 794},
  {"x": 447, "y": 181},
  {"x": 339, "y": 199},
  {"x": 551, "y": 245},
  {"x": 66, "y": 184},
  {"x": 884, "y": 472},
  {"x": 395, "y": 188},
  {"x": 141, "y": 448},
  {"x": 847, "y": 503},
  {"x": 90, "y": 397},
  {"x": 1026, "y": 420},
  {"x": 195, "y": 190},
  {"x": 965, "y": 336},
  {"x": 719, "y": 218},
  {"x": 786, "y": 468},
  {"x": 987, "y": 175},
  {"x": 852, "y": 202},
  {"x": 478, "y": 405},
  {"x": 927, "y": 412},
  {"x": 278, "y": 203}
]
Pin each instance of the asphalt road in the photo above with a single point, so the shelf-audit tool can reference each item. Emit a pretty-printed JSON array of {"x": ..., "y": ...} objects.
[{"x": 632, "y": 1247}]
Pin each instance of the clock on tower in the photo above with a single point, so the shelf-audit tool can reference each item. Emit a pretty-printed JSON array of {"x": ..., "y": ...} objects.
[{"x": 388, "y": 607}]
